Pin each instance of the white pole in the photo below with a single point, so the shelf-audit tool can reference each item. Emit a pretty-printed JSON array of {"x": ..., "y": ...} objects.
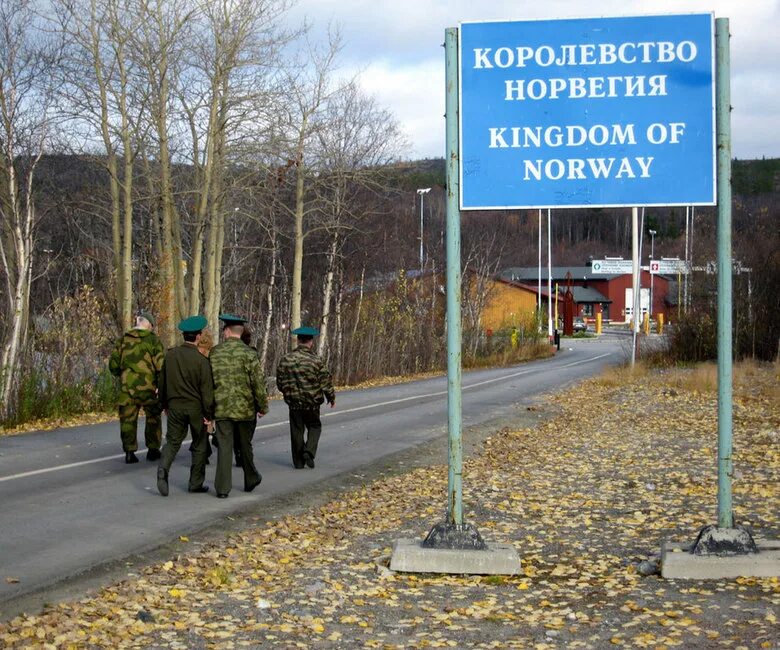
[
  {"x": 422, "y": 192},
  {"x": 549, "y": 278},
  {"x": 641, "y": 252},
  {"x": 685, "y": 276},
  {"x": 689, "y": 275},
  {"x": 422, "y": 201},
  {"x": 539, "y": 274},
  {"x": 652, "y": 275},
  {"x": 635, "y": 268}
]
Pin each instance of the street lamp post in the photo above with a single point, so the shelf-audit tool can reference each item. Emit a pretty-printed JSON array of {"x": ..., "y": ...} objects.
[
  {"x": 652, "y": 275},
  {"x": 422, "y": 192}
]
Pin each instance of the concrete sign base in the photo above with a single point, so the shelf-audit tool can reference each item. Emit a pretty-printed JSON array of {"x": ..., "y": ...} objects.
[
  {"x": 678, "y": 562},
  {"x": 410, "y": 556}
]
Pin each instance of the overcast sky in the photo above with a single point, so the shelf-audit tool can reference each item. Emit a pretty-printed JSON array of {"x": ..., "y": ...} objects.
[{"x": 397, "y": 44}]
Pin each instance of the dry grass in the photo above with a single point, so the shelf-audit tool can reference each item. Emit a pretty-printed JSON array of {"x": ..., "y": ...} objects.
[
  {"x": 702, "y": 378},
  {"x": 510, "y": 356},
  {"x": 622, "y": 375}
]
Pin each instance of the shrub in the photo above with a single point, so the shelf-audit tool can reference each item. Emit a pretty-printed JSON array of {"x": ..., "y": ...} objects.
[
  {"x": 694, "y": 338},
  {"x": 64, "y": 369}
]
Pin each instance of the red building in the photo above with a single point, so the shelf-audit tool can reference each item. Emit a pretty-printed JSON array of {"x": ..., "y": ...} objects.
[{"x": 609, "y": 295}]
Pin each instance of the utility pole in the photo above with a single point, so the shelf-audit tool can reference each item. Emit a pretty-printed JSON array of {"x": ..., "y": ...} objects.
[
  {"x": 549, "y": 279},
  {"x": 539, "y": 274},
  {"x": 422, "y": 192},
  {"x": 635, "y": 268},
  {"x": 652, "y": 275}
]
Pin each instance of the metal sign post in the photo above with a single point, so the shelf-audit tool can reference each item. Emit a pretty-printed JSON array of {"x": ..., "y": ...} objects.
[
  {"x": 724, "y": 542},
  {"x": 636, "y": 302},
  {"x": 725, "y": 377},
  {"x": 453, "y": 546},
  {"x": 454, "y": 424},
  {"x": 453, "y": 533}
]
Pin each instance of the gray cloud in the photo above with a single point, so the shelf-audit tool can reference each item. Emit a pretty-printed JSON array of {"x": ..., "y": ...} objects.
[{"x": 398, "y": 45}]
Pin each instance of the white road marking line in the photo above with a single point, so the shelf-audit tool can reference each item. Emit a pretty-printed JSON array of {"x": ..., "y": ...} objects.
[
  {"x": 45, "y": 470},
  {"x": 81, "y": 463}
]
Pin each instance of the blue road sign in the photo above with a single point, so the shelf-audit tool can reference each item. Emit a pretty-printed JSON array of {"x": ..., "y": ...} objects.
[{"x": 588, "y": 112}]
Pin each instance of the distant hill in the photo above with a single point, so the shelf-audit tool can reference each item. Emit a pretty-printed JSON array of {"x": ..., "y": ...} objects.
[
  {"x": 749, "y": 177},
  {"x": 755, "y": 176},
  {"x": 414, "y": 174}
]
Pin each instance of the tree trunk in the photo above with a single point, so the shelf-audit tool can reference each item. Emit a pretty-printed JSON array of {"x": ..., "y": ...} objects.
[
  {"x": 359, "y": 305},
  {"x": 327, "y": 295},
  {"x": 213, "y": 288},
  {"x": 155, "y": 222},
  {"x": 116, "y": 231},
  {"x": 111, "y": 167},
  {"x": 339, "y": 333},
  {"x": 219, "y": 252},
  {"x": 206, "y": 176},
  {"x": 126, "y": 294},
  {"x": 210, "y": 306},
  {"x": 169, "y": 260},
  {"x": 269, "y": 301},
  {"x": 22, "y": 226},
  {"x": 295, "y": 316},
  {"x": 9, "y": 365}
]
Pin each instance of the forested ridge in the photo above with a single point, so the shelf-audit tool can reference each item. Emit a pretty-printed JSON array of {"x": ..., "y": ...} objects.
[{"x": 380, "y": 241}]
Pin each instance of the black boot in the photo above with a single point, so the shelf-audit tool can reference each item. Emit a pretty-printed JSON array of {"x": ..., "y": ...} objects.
[
  {"x": 162, "y": 481},
  {"x": 130, "y": 457},
  {"x": 153, "y": 454}
]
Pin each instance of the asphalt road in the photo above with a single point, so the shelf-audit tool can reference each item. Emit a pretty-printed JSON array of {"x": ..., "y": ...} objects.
[{"x": 69, "y": 503}]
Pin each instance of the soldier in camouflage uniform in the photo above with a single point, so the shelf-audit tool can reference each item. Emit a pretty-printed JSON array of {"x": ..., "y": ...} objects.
[
  {"x": 187, "y": 395},
  {"x": 305, "y": 383},
  {"x": 137, "y": 360},
  {"x": 240, "y": 395}
]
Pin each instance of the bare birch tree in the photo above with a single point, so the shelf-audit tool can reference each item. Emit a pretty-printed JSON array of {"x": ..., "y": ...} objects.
[
  {"x": 101, "y": 89},
  {"x": 481, "y": 261},
  {"x": 231, "y": 48},
  {"x": 354, "y": 140},
  {"x": 158, "y": 45},
  {"x": 26, "y": 60},
  {"x": 309, "y": 89}
]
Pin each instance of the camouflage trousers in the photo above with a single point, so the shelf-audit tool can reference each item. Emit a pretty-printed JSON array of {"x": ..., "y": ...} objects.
[
  {"x": 302, "y": 420},
  {"x": 227, "y": 430},
  {"x": 128, "y": 424}
]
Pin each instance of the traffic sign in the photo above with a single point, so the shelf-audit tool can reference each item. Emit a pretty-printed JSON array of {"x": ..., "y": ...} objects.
[
  {"x": 669, "y": 267},
  {"x": 612, "y": 267},
  {"x": 590, "y": 112}
]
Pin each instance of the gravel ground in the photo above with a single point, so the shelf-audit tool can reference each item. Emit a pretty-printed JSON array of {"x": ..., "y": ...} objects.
[{"x": 586, "y": 493}]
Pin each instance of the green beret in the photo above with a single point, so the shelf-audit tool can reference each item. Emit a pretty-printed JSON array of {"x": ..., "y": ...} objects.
[
  {"x": 306, "y": 331},
  {"x": 230, "y": 319},
  {"x": 193, "y": 324},
  {"x": 147, "y": 316}
]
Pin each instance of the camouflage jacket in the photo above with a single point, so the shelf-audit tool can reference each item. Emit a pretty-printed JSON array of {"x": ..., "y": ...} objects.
[
  {"x": 239, "y": 383},
  {"x": 137, "y": 360},
  {"x": 186, "y": 381},
  {"x": 304, "y": 380}
]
